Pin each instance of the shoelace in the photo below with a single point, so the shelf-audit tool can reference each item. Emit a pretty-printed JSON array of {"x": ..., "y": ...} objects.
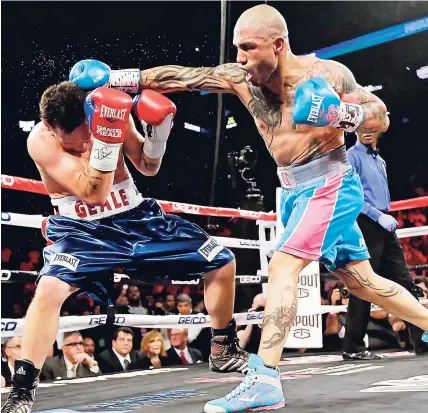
[{"x": 246, "y": 384}]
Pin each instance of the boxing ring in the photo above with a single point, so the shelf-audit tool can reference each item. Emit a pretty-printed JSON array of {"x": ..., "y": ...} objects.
[{"x": 186, "y": 389}]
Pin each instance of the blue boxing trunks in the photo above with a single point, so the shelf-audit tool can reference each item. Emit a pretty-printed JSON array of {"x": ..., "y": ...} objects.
[
  {"x": 85, "y": 244},
  {"x": 320, "y": 202}
]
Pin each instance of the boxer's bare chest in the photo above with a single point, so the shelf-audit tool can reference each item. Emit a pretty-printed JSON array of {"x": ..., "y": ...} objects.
[
  {"x": 56, "y": 190},
  {"x": 287, "y": 142}
]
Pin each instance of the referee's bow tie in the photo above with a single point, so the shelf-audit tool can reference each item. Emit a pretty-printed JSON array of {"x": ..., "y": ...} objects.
[{"x": 370, "y": 150}]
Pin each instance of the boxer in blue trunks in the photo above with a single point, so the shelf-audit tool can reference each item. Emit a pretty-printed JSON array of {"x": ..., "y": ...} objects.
[
  {"x": 301, "y": 106},
  {"x": 101, "y": 221}
]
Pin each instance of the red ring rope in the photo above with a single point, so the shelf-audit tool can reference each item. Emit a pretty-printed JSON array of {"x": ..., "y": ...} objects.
[{"x": 31, "y": 185}]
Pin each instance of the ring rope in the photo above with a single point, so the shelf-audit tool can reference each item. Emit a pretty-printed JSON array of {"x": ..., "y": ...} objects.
[
  {"x": 32, "y": 185},
  {"x": 14, "y": 327}
]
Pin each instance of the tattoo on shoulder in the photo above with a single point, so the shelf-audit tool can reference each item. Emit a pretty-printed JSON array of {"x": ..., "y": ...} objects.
[{"x": 339, "y": 76}]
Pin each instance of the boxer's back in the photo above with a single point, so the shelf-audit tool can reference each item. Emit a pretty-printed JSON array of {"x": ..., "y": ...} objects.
[
  {"x": 44, "y": 148},
  {"x": 287, "y": 142}
]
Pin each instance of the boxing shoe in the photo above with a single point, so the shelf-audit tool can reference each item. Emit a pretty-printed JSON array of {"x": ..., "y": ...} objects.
[
  {"x": 226, "y": 355},
  {"x": 23, "y": 389},
  {"x": 260, "y": 390}
]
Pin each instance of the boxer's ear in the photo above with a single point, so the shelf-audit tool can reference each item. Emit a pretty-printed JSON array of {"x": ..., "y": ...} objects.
[{"x": 279, "y": 45}]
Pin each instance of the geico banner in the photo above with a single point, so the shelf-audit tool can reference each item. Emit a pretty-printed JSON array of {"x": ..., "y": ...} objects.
[{"x": 306, "y": 332}]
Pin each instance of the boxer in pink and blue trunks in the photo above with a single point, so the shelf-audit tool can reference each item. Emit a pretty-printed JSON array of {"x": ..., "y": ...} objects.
[
  {"x": 301, "y": 106},
  {"x": 324, "y": 208}
]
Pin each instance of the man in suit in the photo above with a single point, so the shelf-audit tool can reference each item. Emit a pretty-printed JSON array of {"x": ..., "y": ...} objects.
[
  {"x": 12, "y": 351},
  {"x": 74, "y": 362},
  {"x": 122, "y": 357},
  {"x": 89, "y": 346},
  {"x": 179, "y": 353}
]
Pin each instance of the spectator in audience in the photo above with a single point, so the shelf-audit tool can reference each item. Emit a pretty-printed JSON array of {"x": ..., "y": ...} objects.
[
  {"x": 184, "y": 305},
  {"x": 89, "y": 346},
  {"x": 34, "y": 257},
  {"x": 134, "y": 306},
  {"x": 74, "y": 362},
  {"x": 97, "y": 310},
  {"x": 417, "y": 218},
  {"x": 413, "y": 256},
  {"x": 18, "y": 310},
  {"x": 12, "y": 352},
  {"x": 6, "y": 253},
  {"x": 121, "y": 357},
  {"x": 249, "y": 336},
  {"x": 180, "y": 353},
  {"x": 154, "y": 306},
  {"x": 153, "y": 349},
  {"x": 170, "y": 306}
]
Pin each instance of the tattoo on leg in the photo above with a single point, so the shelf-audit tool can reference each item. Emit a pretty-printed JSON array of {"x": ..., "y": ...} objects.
[
  {"x": 282, "y": 318},
  {"x": 352, "y": 273}
]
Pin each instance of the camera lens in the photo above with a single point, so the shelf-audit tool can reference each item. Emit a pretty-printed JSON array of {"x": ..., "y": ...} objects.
[{"x": 344, "y": 292}]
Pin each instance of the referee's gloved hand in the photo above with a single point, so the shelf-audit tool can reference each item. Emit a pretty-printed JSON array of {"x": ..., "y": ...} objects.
[{"x": 388, "y": 222}]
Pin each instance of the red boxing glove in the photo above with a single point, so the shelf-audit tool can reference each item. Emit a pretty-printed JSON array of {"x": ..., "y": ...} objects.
[
  {"x": 108, "y": 112},
  {"x": 156, "y": 114}
]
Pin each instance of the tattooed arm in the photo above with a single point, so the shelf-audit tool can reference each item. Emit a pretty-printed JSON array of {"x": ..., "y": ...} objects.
[
  {"x": 220, "y": 79},
  {"x": 344, "y": 83}
]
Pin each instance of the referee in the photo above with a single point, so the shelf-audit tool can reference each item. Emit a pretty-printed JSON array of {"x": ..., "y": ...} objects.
[{"x": 387, "y": 257}]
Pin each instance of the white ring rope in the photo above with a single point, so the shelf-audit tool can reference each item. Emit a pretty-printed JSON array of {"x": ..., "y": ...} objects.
[{"x": 14, "y": 327}]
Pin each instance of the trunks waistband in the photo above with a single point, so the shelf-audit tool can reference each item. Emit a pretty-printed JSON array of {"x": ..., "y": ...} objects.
[
  {"x": 334, "y": 161},
  {"x": 123, "y": 197}
]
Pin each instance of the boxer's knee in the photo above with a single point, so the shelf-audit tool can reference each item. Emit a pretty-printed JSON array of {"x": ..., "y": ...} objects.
[
  {"x": 51, "y": 292},
  {"x": 225, "y": 273},
  {"x": 283, "y": 265}
]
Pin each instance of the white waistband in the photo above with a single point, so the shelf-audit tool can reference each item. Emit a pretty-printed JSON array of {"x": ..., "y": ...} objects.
[
  {"x": 123, "y": 197},
  {"x": 334, "y": 161}
]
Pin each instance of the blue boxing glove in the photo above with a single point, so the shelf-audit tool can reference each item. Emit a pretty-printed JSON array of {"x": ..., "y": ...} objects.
[
  {"x": 388, "y": 222},
  {"x": 317, "y": 104},
  {"x": 89, "y": 74}
]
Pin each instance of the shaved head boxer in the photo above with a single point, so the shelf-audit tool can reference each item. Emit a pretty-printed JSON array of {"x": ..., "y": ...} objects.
[{"x": 301, "y": 106}]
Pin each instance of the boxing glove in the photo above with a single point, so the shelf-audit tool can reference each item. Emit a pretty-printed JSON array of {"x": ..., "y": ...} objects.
[
  {"x": 317, "y": 104},
  {"x": 156, "y": 114},
  {"x": 107, "y": 111},
  {"x": 89, "y": 74}
]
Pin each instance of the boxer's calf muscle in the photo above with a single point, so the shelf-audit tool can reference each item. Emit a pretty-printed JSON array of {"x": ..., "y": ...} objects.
[{"x": 282, "y": 317}]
